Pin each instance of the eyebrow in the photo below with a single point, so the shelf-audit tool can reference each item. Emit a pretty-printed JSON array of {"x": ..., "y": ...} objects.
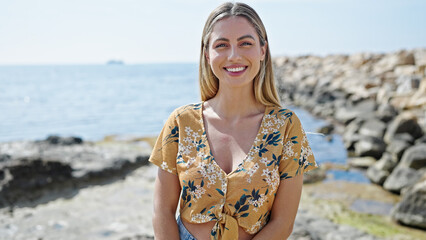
[{"x": 238, "y": 39}]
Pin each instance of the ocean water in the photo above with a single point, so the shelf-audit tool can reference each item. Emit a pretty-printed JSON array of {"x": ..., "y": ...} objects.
[{"x": 93, "y": 101}]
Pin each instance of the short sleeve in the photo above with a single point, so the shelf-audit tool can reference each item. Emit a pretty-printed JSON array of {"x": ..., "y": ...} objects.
[
  {"x": 297, "y": 156},
  {"x": 165, "y": 150}
]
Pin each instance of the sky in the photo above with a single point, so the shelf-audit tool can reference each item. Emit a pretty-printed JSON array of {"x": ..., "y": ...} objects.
[{"x": 164, "y": 31}]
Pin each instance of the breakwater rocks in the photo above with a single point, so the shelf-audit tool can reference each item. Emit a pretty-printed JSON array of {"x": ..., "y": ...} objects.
[
  {"x": 34, "y": 171},
  {"x": 378, "y": 103}
]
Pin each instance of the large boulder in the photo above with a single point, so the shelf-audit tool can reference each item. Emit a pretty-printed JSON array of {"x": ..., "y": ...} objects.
[
  {"x": 361, "y": 162},
  {"x": 373, "y": 128},
  {"x": 386, "y": 112},
  {"x": 363, "y": 109},
  {"x": 403, "y": 123},
  {"x": 390, "y": 61},
  {"x": 415, "y": 157},
  {"x": 370, "y": 146},
  {"x": 29, "y": 170},
  {"x": 381, "y": 169},
  {"x": 411, "y": 210},
  {"x": 376, "y": 175},
  {"x": 397, "y": 146},
  {"x": 400, "y": 178}
]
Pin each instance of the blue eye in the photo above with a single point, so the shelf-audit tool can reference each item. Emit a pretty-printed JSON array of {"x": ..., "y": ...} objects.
[
  {"x": 220, "y": 45},
  {"x": 246, "y": 44}
]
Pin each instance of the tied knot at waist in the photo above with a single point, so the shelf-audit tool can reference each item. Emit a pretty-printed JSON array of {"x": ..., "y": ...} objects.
[{"x": 225, "y": 228}]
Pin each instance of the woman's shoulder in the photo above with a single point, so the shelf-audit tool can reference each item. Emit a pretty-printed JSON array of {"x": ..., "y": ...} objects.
[
  {"x": 281, "y": 112},
  {"x": 188, "y": 111}
]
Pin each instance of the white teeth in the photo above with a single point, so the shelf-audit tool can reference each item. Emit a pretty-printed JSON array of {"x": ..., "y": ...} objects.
[{"x": 238, "y": 69}]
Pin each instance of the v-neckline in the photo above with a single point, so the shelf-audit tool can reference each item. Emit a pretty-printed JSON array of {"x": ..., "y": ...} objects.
[{"x": 208, "y": 144}]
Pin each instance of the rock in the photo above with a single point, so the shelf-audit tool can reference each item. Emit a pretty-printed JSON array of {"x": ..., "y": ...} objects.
[
  {"x": 63, "y": 140},
  {"x": 420, "y": 57},
  {"x": 415, "y": 157},
  {"x": 4, "y": 157},
  {"x": 401, "y": 177},
  {"x": 364, "y": 109},
  {"x": 350, "y": 134},
  {"x": 405, "y": 70},
  {"x": 381, "y": 169},
  {"x": 33, "y": 168},
  {"x": 387, "y": 162},
  {"x": 327, "y": 129},
  {"x": 418, "y": 99},
  {"x": 376, "y": 175},
  {"x": 403, "y": 123},
  {"x": 361, "y": 162},
  {"x": 404, "y": 137},
  {"x": 315, "y": 175},
  {"x": 370, "y": 146},
  {"x": 390, "y": 61},
  {"x": 411, "y": 210},
  {"x": 407, "y": 84},
  {"x": 373, "y": 128},
  {"x": 386, "y": 112},
  {"x": 421, "y": 140},
  {"x": 397, "y": 147}
]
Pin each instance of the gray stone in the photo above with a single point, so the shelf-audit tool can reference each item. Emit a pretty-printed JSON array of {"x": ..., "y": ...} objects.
[
  {"x": 54, "y": 139},
  {"x": 386, "y": 112},
  {"x": 361, "y": 162},
  {"x": 411, "y": 210},
  {"x": 364, "y": 110},
  {"x": 39, "y": 166},
  {"x": 346, "y": 115},
  {"x": 376, "y": 175},
  {"x": 373, "y": 128},
  {"x": 387, "y": 162},
  {"x": 401, "y": 177},
  {"x": 370, "y": 146},
  {"x": 415, "y": 157},
  {"x": 366, "y": 106},
  {"x": 397, "y": 147},
  {"x": 421, "y": 140},
  {"x": 404, "y": 137},
  {"x": 404, "y": 123},
  {"x": 350, "y": 135},
  {"x": 327, "y": 129}
]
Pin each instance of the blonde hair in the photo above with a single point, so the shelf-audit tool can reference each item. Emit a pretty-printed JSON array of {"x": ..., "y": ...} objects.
[{"x": 265, "y": 91}]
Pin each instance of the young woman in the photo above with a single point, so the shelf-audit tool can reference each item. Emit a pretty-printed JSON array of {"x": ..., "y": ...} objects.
[{"x": 235, "y": 161}]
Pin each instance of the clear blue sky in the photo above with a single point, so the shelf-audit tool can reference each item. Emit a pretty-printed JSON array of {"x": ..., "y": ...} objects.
[{"x": 139, "y": 31}]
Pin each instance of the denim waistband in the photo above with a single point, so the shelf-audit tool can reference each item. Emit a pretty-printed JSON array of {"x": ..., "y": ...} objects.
[{"x": 184, "y": 234}]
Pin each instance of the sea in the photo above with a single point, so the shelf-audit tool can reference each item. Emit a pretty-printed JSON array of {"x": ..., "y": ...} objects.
[{"x": 94, "y": 101}]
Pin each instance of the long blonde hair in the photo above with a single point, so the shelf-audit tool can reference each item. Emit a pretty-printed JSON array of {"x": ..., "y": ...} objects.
[{"x": 265, "y": 91}]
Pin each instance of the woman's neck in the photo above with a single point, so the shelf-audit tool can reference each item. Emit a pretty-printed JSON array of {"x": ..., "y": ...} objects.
[{"x": 235, "y": 103}]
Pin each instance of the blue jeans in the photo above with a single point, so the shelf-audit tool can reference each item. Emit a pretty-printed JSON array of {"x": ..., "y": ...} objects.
[{"x": 184, "y": 234}]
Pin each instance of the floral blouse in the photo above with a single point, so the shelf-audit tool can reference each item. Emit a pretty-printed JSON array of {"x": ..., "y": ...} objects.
[{"x": 245, "y": 196}]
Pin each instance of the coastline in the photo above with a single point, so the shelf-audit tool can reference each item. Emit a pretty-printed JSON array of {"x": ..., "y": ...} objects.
[{"x": 377, "y": 102}]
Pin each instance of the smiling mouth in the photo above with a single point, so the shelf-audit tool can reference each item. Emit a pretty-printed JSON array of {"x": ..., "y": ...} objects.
[{"x": 235, "y": 69}]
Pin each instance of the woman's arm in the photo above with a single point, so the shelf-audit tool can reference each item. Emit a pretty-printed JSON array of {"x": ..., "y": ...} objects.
[
  {"x": 166, "y": 197},
  {"x": 284, "y": 210}
]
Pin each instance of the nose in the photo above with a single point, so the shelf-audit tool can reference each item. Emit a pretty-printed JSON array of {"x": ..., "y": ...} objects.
[{"x": 234, "y": 54}]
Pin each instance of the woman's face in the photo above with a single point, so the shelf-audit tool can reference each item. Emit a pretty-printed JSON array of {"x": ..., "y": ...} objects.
[{"x": 234, "y": 52}]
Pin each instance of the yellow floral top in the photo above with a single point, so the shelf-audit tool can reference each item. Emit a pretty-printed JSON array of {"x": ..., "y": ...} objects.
[{"x": 245, "y": 196}]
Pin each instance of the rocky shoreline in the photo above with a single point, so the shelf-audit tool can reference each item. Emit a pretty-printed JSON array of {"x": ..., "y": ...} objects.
[
  {"x": 378, "y": 103},
  {"x": 30, "y": 170}
]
